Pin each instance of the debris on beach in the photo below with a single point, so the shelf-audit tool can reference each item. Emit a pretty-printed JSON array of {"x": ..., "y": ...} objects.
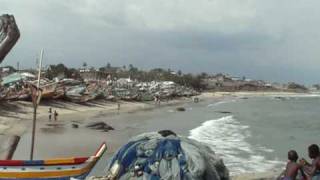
[
  {"x": 15, "y": 86},
  {"x": 100, "y": 126}
]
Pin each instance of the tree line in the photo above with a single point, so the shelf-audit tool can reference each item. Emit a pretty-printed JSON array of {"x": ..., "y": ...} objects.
[{"x": 156, "y": 74}]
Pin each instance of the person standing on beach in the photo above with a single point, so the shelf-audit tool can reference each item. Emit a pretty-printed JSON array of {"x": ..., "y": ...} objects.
[
  {"x": 118, "y": 107},
  {"x": 313, "y": 169},
  {"x": 50, "y": 114},
  {"x": 55, "y": 115}
]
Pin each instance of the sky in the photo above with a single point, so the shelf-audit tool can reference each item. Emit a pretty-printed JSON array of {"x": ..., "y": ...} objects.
[{"x": 274, "y": 40}]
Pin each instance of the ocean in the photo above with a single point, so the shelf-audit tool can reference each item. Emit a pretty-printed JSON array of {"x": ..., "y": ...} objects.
[
  {"x": 258, "y": 132},
  {"x": 251, "y": 134}
]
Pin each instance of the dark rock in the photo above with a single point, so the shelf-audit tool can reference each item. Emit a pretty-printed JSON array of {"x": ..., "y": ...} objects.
[
  {"x": 75, "y": 125},
  {"x": 181, "y": 109},
  {"x": 100, "y": 126},
  {"x": 224, "y": 112},
  {"x": 244, "y": 98}
]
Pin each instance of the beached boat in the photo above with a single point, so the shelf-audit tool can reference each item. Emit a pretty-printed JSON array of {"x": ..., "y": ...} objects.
[
  {"x": 3, "y": 94},
  {"x": 59, "y": 94},
  {"x": 52, "y": 169},
  {"x": 16, "y": 95},
  {"x": 48, "y": 90},
  {"x": 79, "y": 99}
]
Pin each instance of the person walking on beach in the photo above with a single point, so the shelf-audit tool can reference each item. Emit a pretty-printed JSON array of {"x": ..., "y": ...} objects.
[
  {"x": 55, "y": 115},
  {"x": 292, "y": 167},
  {"x": 157, "y": 100},
  {"x": 118, "y": 107},
  {"x": 312, "y": 169},
  {"x": 50, "y": 114}
]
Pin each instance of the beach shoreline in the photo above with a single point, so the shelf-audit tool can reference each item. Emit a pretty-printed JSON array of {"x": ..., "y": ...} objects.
[{"x": 15, "y": 118}]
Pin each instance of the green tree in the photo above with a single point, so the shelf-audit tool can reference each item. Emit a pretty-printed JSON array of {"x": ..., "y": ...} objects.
[
  {"x": 108, "y": 65},
  {"x": 130, "y": 67},
  {"x": 84, "y": 65},
  {"x": 60, "y": 70}
]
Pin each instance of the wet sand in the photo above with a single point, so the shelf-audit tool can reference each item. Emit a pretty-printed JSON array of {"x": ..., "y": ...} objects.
[{"x": 60, "y": 139}]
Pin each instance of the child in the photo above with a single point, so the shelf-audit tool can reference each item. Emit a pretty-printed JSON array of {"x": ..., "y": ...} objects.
[
  {"x": 292, "y": 167},
  {"x": 50, "y": 114},
  {"x": 55, "y": 115}
]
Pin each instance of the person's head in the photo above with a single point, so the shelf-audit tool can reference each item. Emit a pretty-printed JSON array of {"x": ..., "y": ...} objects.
[
  {"x": 293, "y": 155},
  {"x": 313, "y": 151}
]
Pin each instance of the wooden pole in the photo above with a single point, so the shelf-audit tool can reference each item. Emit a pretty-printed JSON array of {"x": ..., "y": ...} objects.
[
  {"x": 33, "y": 131},
  {"x": 35, "y": 106},
  {"x": 9, "y": 146}
]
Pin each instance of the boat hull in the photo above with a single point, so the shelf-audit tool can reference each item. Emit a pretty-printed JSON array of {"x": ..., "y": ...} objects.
[{"x": 54, "y": 169}]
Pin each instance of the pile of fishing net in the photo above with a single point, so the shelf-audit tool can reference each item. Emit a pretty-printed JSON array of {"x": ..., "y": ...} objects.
[{"x": 166, "y": 156}]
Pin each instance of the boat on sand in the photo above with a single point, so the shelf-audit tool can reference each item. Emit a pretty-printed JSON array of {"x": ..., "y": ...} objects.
[{"x": 51, "y": 169}]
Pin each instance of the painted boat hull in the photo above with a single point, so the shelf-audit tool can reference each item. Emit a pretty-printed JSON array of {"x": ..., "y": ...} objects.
[{"x": 52, "y": 169}]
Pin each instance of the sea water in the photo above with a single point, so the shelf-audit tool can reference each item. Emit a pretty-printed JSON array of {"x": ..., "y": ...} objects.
[
  {"x": 251, "y": 134},
  {"x": 259, "y": 131}
]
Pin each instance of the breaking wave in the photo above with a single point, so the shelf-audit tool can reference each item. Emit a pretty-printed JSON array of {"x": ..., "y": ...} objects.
[{"x": 227, "y": 137}]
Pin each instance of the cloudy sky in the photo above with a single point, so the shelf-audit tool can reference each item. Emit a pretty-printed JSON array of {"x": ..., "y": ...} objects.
[{"x": 276, "y": 40}]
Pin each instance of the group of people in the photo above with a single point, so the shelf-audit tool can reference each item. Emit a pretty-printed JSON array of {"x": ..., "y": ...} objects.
[
  {"x": 54, "y": 113},
  {"x": 302, "y": 169}
]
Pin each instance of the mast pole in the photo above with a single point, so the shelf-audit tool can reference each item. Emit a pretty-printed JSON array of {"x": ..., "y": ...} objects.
[{"x": 35, "y": 106}]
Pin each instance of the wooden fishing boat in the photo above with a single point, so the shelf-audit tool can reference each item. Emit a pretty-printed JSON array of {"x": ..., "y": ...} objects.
[
  {"x": 13, "y": 95},
  {"x": 60, "y": 92},
  {"x": 48, "y": 91},
  {"x": 79, "y": 99},
  {"x": 52, "y": 169},
  {"x": 3, "y": 94}
]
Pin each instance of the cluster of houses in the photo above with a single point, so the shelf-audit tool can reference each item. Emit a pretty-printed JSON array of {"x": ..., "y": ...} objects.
[{"x": 222, "y": 82}]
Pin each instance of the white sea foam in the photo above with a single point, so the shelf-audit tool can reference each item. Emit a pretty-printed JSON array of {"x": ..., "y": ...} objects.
[
  {"x": 221, "y": 102},
  {"x": 189, "y": 108},
  {"x": 314, "y": 95},
  {"x": 227, "y": 137}
]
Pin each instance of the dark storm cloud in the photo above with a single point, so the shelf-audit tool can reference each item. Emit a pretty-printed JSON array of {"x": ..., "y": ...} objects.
[{"x": 271, "y": 40}]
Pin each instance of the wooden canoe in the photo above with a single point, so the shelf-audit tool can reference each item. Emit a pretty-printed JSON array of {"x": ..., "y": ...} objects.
[{"x": 51, "y": 169}]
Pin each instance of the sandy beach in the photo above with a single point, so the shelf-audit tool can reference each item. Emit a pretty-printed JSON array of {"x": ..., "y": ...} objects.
[{"x": 16, "y": 118}]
